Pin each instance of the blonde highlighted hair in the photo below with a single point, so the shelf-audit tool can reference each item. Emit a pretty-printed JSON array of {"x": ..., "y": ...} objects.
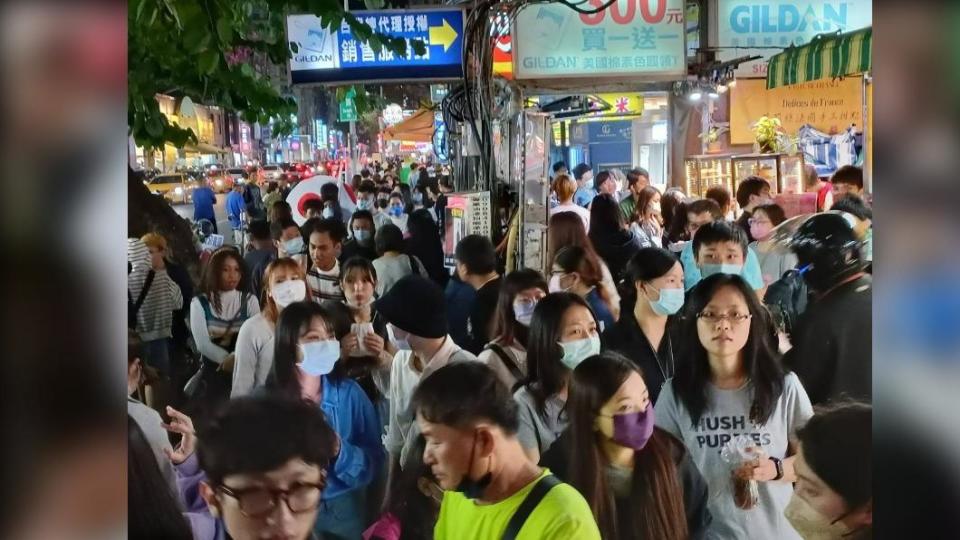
[
  {"x": 270, "y": 308},
  {"x": 565, "y": 187}
]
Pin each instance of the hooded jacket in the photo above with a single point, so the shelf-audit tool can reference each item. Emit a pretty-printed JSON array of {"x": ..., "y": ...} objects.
[{"x": 155, "y": 317}]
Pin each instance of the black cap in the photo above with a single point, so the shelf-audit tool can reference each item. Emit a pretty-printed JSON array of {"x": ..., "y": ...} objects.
[
  {"x": 416, "y": 305},
  {"x": 829, "y": 246}
]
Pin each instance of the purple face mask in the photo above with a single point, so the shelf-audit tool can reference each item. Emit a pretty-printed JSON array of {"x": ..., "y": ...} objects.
[{"x": 633, "y": 430}]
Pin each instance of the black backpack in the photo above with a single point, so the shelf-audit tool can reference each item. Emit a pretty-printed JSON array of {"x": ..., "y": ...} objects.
[{"x": 787, "y": 300}]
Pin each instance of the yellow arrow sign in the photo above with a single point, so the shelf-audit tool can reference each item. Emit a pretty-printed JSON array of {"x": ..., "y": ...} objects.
[{"x": 443, "y": 35}]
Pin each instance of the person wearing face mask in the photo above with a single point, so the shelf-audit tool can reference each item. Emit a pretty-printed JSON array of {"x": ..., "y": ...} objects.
[
  {"x": 417, "y": 327},
  {"x": 637, "y": 179},
  {"x": 288, "y": 242},
  {"x": 720, "y": 247},
  {"x": 360, "y": 243},
  {"x": 638, "y": 479},
  {"x": 774, "y": 259},
  {"x": 752, "y": 192},
  {"x": 284, "y": 283},
  {"x": 307, "y": 365},
  {"x": 573, "y": 271},
  {"x": 646, "y": 333},
  {"x": 216, "y": 315},
  {"x": 330, "y": 195},
  {"x": 563, "y": 332},
  {"x": 833, "y": 497},
  {"x": 646, "y": 223},
  {"x": 396, "y": 209},
  {"x": 730, "y": 383},
  {"x": 492, "y": 489},
  {"x": 506, "y": 354}
]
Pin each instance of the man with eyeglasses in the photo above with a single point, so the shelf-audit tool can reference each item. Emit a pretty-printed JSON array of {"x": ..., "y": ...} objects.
[{"x": 261, "y": 468}]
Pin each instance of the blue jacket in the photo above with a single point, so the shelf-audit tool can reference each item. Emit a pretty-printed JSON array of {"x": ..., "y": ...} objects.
[
  {"x": 235, "y": 206},
  {"x": 353, "y": 418},
  {"x": 203, "y": 201},
  {"x": 584, "y": 196},
  {"x": 691, "y": 272}
]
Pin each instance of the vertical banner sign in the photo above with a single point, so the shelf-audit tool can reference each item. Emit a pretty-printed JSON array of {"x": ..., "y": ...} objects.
[
  {"x": 631, "y": 38},
  {"x": 766, "y": 27},
  {"x": 321, "y": 55}
]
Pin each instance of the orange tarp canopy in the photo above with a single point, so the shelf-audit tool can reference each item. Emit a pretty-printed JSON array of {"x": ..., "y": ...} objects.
[{"x": 417, "y": 128}]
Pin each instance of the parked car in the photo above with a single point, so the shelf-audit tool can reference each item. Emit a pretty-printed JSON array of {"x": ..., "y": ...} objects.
[
  {"x": 220, "y": 180},
  {"x": 271, "y": 173},
  {"x": 174, "y": 187}
]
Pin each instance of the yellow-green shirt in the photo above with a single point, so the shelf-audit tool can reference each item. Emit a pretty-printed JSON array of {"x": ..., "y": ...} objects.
[{"x": 562, "y": 514}]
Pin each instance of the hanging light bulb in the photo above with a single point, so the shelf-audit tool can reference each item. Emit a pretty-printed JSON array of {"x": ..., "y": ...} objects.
[
  {"x": 732, "y": 83},
  {"x": 712, "y": 92},
  {"x": 721, "y": 88},
  {"x": 696, "y": 95}
]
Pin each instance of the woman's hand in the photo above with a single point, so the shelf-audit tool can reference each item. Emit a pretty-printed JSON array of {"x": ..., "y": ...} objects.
[
  {"x": 182, "y": 424},
  {"x": 349, "y": 344},
  {"x": 227, "y": 365},
  {"x": 762, "y": 469},
  {"x": 373, "y": 344}
]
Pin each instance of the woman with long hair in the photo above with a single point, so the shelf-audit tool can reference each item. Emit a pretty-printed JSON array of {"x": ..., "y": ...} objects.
[
  {"x": 563, "y": 332},
  {"x": 611, "y": 237},
  {"x": 424, "y": 243},
  {"x": 216, "y": 315},
  {"x": 573, "y": 271},
  {"x": 284, "y": 282},
  {"x": 646, "y": 222},
  {"x": 306, "y": 365},
  {"x": 674, "y": 216},
  {"x": 507, "y": 353},
  {"x": 393, "y": 263},
  {"x": 730, "y": 396},
  {"x": 639, "y": 480},
  {"x": 646, "y": 332},
  {"x": 567, "y": 230}
]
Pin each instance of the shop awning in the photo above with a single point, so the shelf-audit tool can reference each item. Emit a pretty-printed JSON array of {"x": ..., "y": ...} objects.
[
  {"x": 204, "y": 148},
  {"x": 827, "y": 56},
  {"x": 417, "y": 128}
]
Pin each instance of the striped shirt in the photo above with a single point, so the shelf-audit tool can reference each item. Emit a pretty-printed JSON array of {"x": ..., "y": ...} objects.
[
  {"x": 325, "y": 284},
  {"x": 213, "y": 330},
  {"x": 155, "y": 317}
]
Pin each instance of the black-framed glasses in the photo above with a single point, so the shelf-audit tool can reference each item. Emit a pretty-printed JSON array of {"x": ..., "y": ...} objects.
[
  {"x": 714, "y": 318},
  {"x": 258, "y": 502}
]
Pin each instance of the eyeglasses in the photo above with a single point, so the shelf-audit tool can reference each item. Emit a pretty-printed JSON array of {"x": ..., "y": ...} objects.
[
  {"x": 753, "y": 221},
  {"x": 714, "y": 318},
  {"x": 259, "y": 502}
]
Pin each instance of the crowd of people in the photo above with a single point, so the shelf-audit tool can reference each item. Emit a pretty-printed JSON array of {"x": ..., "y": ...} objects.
[{"x": 684, "y": 369}]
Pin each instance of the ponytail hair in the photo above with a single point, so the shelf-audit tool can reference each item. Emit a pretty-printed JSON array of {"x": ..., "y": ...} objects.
[{"x": 648, "y": 264}]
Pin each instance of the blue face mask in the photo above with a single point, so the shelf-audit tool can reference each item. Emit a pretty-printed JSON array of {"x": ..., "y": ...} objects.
[
  {"x": 365, "y": 204},
  {"x": 362, "y": 235},
  {"x": 328, "y": 213},
  {"x": 319, "y": 357},
  {"x": 577, "y": 351},
  {"x": 708, "y": 270},
  {"x": 293, "y": 246},
  {"x": 418, "y": 198},
  {"x": 670, "y": 302},
  {"x": 396, "y": 211}
]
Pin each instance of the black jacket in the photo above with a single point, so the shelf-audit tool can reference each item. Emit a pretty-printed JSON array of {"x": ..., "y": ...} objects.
[
  {"x": 833, "y": 346},
  {"x": 626, "y": 338},
  {"x": 616, "y": 250},
  {"x": 695, "y": 496},
  {"x": 351, "y": 248}
]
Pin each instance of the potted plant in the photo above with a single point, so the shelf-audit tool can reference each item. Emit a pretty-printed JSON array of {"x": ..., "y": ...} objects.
[
  {"x": 712, "y": 138},
  {"x": 767, "y": 131}
]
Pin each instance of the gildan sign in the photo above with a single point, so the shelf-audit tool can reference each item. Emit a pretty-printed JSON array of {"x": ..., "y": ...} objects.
[
  {"x": 829, "y": 106},
  {"x": 643, "y": 39},
  {"x": 765, "y": 28},
  {"x": 329, "y": 56}
]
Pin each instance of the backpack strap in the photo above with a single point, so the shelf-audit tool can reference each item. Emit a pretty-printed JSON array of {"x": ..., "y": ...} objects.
[
  {"x": 143, "y": 292},
  {"x": 528, "y": 505},
  {"x": 508, "y": 360}
]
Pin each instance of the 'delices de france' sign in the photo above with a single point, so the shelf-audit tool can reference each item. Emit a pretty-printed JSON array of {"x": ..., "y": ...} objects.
[
  {"x": 644, "y": 39},
  {"x": 765, "y": 27}
]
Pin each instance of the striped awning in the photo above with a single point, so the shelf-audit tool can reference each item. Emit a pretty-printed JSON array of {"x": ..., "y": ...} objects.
[{"x": 826, "y": 56}]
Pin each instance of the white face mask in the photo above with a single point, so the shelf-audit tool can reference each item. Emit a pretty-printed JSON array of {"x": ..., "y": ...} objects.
[
  {"x": 810, "y": 523},
  {"x": 288, "y": 292},
  {"x": 400, "y": 343}
]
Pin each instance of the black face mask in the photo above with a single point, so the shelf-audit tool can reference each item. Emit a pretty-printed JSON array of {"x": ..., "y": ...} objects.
[
  {"x": 382, "y": 203},
  {"x": 473, "y": 489}
]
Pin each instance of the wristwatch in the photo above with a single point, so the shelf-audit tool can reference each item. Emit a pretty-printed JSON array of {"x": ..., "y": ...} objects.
[{"x": 779, "y": 465}]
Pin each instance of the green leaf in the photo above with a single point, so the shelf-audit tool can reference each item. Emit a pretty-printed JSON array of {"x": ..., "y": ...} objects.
[
  {"x": 225, "y": 30},
  {"x": 208, "y": 61},
  {"x": 294, "y": 47},
  {"x": 196, "y": 39},
  {"x": 154, "y": 126},
  {"x": 247, "y": 70}
]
